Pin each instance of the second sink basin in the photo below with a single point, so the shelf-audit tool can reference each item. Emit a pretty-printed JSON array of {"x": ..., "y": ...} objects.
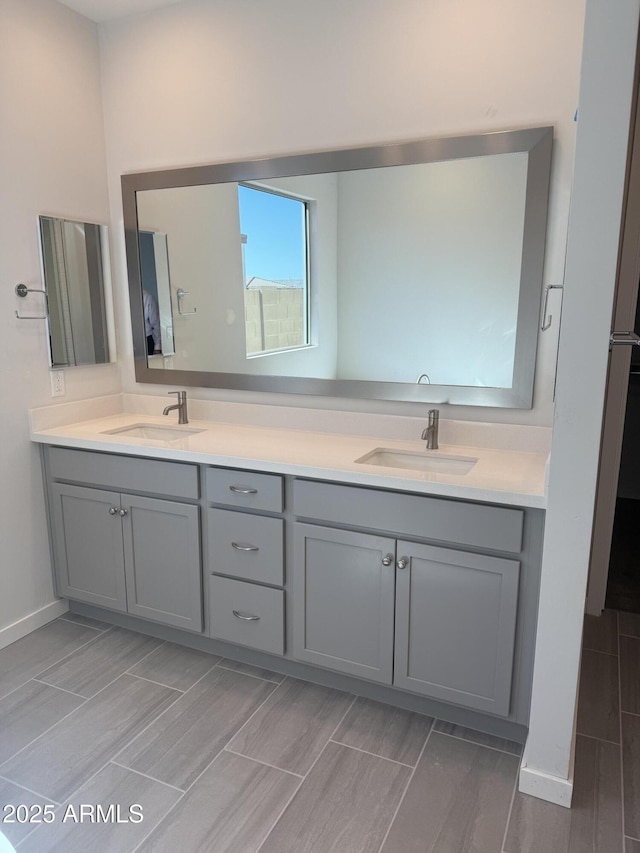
[
  {"x": 413, "y": 460},
  {"x": 157, "y": 432}
]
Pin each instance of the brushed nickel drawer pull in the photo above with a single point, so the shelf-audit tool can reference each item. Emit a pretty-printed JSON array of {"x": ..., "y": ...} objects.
[
  {"x": 239, "y": 547},
  {"x": 243, "y": 490},
  {"x": 246, "y": 617}
]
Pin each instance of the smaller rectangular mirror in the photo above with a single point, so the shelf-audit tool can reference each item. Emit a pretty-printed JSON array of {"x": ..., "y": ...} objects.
[{"x": 73, "y": 265}]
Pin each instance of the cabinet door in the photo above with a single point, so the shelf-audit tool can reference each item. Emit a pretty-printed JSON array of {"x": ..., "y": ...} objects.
[
  {"x": 162, "y": 561},
  {"x": 88, "y": 552},
  {"x": 343, "y": 601},
  {"x": 455, "y": 626}
]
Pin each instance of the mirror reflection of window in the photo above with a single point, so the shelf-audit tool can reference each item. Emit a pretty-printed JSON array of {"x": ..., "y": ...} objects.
[
  {"x": 274, "y": 257},
  {"x": 73, "y": 268}
]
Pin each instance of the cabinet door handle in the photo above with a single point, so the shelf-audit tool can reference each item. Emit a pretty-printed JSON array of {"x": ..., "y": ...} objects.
[
  {"x": 122, "y": 512},
  {"x": 113, "y": 510},
  {"x": 239, "y": 547},
  {"x": 246, "y": 617},
  {"x": 403, "y": 562},
  {"x": 243, "y": 490},
  {"x": 387, "y": 560}
]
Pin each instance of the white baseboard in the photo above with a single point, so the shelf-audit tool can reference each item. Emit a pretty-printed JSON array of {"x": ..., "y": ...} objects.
[
  {"x": 553, "y": 789},
  {"x": 29, "y": 623}
]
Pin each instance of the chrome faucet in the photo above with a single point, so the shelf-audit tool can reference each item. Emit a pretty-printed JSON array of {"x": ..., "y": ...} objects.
[
  {"x": 181, "y": 406},
  {"x": 430, "y": 432}
]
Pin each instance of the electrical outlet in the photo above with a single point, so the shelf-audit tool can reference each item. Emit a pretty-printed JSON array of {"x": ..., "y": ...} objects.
[{"x": 57, "y": 383}]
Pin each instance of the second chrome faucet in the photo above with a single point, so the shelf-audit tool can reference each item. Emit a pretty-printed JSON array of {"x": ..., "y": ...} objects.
[
  {"x": 430, "y": 432},
  {"x": 181, "y": 406}
]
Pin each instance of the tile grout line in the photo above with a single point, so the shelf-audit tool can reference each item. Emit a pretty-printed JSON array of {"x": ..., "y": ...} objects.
[
  {"x": 258, "y": 761},
  {"x": 199, "y": 776},
  {"x": 600, "y": 739},
  {"x": 115, "y": 763},
  {"x": 55, "y": 663},
  {"x": 97, "y": 693},
  {"x": 145, "y": 776},
  {"x": 70, "y": 654},
  {"x": 63, "y": 618},
  {"x": 180, "y": 696},
  {"x": 61, "y": 689},
  {"x": 484, "y": 745},
  {"x": 623, "y": 817},
  {"x": 220, "y": 665},
  {"x": 320, "y": 754},
  {"x": 372, "y": 754},
  {"x": 600, "y": 651},
  {"x": 46, "y": 731},
  {"x": 409, "y": 781},
  {"x": 510, "y": 812},
  {"x": 152, "y": 681},
  {"x": 204, "y": 770},
  {"x": 30, "y": 790}
]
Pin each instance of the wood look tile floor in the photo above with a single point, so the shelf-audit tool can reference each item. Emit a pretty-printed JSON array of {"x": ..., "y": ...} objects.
[{"x": 139, "y": 746}]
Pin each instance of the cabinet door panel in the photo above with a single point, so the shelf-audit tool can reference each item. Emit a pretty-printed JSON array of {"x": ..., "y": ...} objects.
[
  {"x": 455, "y": 626},
  {"x": 88, "y": 546},
  {"x": 343, "y": 601},
  {"x": 162, "y": 561}
]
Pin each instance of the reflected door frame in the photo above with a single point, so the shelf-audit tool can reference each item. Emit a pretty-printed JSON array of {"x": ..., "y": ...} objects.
[{"x": 617, "y": 389}]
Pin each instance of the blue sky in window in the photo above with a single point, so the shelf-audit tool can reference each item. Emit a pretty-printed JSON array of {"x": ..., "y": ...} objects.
[{"x": 274, "y": 226}]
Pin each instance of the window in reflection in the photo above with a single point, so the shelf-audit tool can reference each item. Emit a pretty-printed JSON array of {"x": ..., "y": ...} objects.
[{"x": 274, "y": 238}]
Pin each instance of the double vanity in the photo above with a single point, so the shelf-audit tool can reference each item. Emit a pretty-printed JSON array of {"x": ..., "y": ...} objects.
[{"x": 367, "y": 563}]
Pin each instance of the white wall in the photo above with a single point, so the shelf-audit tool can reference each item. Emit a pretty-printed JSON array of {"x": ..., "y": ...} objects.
[
  {"x": 51, "y": 161},
  {"x": 605, "y": 102},
  {"x": 215, "y": 80}
]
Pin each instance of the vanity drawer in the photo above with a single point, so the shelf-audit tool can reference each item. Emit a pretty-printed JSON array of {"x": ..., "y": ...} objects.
[
  {"x": 247, "y": 614},
  {"x": 245, "y": 489},
  {"x": 476, "y": 525},
  {"x": 246, "y": 546},
  {"x": 125, "y": 473}
]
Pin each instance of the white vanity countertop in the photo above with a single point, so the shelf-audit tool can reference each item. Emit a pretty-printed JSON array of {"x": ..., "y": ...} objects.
[{"x": 513, "y": 476}]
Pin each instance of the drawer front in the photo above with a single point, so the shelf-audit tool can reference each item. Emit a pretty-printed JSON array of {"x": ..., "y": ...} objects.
[
  {"x": 246, "y": 546},
  {"x": 245, "y": 489},
  {"x": 476, "y": 525},
  {"x": 247, "y": 614},
  {"x": 126, "y": 473}
]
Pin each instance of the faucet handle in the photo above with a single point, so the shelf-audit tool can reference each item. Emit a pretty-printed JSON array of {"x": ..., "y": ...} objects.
[{"x": 181, "y": 395}]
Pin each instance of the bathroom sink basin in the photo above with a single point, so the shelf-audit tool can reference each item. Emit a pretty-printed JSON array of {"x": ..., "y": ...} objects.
[
  {"x": 432, "y": 462},
  {"x": 157, "y": 432}
]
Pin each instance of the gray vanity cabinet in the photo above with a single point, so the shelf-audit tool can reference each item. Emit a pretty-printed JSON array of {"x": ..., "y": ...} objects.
[
  {"x": 455, "y": 625},
  {"x": 435, "y": 619},
  {"x": 455, "y": 614},
  {"x": 129, "y": 553},
  {"x": 344, "y": 591},
  {"x": 135, "y": 553}
]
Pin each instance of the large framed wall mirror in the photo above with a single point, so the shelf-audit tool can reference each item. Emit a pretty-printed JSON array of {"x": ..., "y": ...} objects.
[
  {"x": 74, "y": 255},
  {"x": 408, "y": 271}
]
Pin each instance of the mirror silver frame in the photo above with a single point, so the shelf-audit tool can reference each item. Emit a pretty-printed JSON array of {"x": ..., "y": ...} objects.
[{"x": 536, "y": 142}]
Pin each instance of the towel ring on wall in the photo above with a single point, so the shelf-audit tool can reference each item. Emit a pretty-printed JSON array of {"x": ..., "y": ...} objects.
[{"x": 22, "y": 291}]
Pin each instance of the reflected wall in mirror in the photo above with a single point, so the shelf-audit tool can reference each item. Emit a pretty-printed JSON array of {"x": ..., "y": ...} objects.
[
  {"x": 406, "y": 272},
  {"x": 73, "y": 271}
]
